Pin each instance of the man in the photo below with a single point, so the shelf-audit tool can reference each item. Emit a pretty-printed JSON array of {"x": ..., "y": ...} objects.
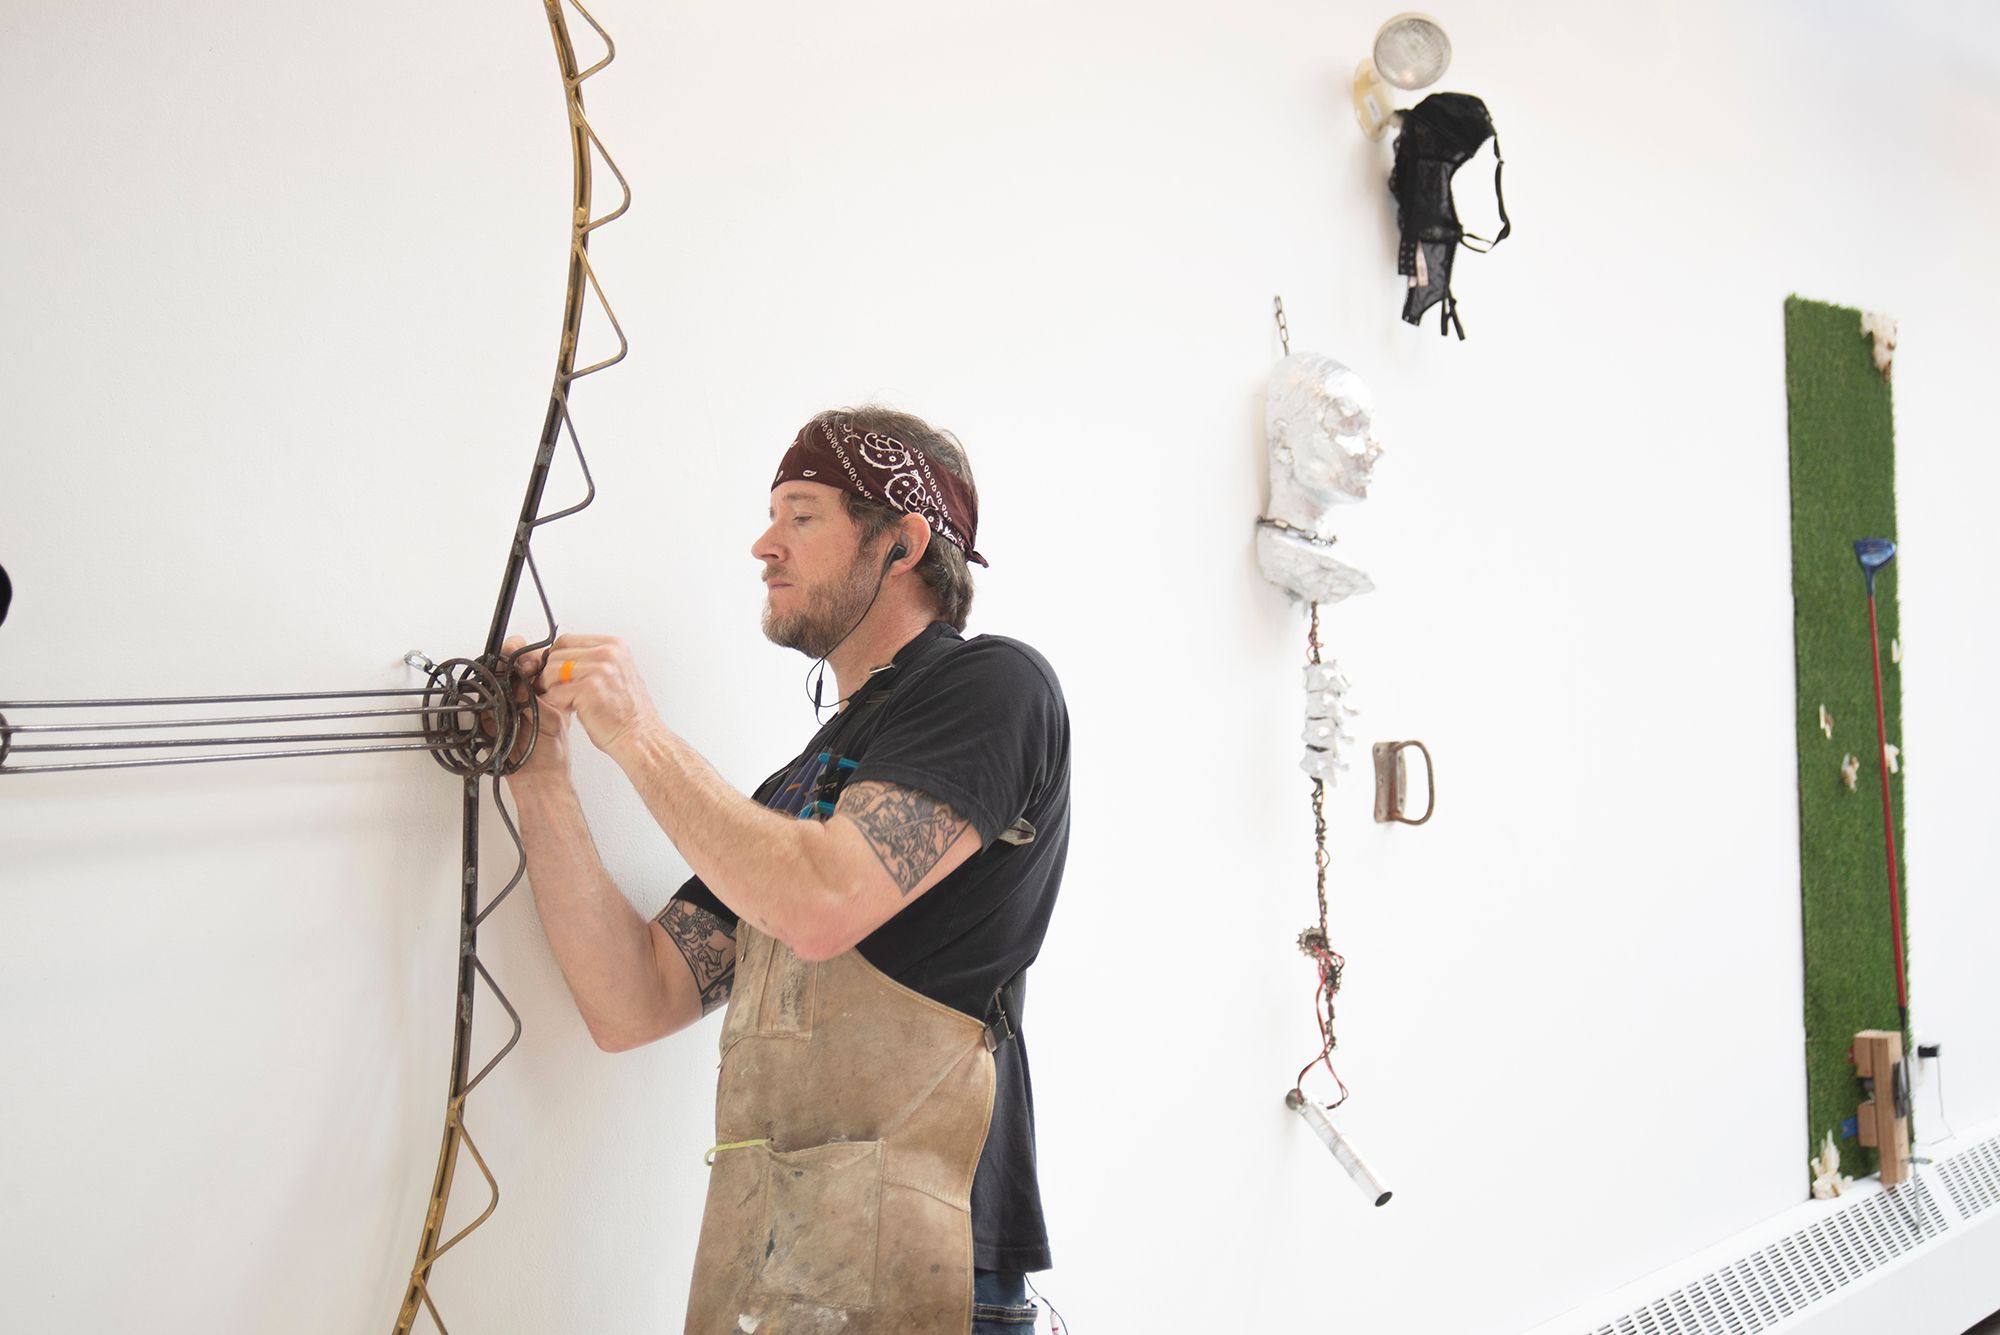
[{"x": 868, "y": 915}]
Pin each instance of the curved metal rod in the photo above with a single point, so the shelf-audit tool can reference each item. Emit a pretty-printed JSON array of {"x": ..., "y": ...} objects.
[
  {"x": 556, "y": 424},
  {"x": 455, "y": 1118},
  {"x": 520, "y": 866},
  {"x": 624, "y": 346},
  {"x": 512, "y": 1039},
  {"x": 584, "y": 145},
  {"x": 569, "y": 425}
]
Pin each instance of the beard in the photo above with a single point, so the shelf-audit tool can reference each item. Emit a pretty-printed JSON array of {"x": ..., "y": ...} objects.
[{"x": 826, "y": 614}]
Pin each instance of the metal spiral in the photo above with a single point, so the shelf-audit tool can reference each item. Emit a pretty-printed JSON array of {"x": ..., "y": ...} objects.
[{"x": 472, "y": 721}]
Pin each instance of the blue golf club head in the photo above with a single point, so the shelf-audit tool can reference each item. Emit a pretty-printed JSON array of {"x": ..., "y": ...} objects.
[{"x": 1873, "y": 554}]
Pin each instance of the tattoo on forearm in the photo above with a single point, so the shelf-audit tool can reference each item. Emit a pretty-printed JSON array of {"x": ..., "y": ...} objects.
[
  {"x": 908, "y": 831},
  {"x": 708, "y": 944}
]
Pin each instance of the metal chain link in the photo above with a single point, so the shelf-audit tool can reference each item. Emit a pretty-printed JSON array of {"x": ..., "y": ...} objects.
[{"x": 1285, "y": 342}]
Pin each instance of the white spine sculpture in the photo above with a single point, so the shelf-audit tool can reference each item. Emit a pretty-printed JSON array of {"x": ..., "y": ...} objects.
[{"x": 1325, "y": 713}]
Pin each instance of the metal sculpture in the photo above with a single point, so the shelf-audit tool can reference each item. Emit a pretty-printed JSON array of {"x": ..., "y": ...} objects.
[
  {"x": 470, "y": 716},
  {"x": 1319, "y": 420}
]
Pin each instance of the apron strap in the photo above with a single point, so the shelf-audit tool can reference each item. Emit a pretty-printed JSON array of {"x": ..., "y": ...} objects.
[{"x": 1007, "y": 1003}]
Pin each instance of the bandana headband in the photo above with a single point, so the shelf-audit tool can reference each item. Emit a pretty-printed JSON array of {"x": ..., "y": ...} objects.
[{"x": 878, "y": 467}]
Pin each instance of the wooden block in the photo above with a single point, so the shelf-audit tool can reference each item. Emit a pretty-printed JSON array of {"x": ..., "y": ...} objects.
[{"x": 1878, "y": 1057}]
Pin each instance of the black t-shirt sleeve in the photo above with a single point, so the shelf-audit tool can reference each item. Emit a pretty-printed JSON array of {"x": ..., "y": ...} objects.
[
  {"x": 984, "y": 735},
  {"x": 699, "y": 895}
]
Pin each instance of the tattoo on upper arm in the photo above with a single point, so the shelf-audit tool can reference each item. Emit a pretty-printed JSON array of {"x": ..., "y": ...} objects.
[
  {"x": 909, "y": 832},
  {"x": 708, "y": 944}
]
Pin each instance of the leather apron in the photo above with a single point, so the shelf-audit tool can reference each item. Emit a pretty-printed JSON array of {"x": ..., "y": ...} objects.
[{"x": 849, "y": 1118}]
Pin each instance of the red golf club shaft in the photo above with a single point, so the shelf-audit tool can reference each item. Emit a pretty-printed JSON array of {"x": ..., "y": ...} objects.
[{"x": 1888, "y": 818}]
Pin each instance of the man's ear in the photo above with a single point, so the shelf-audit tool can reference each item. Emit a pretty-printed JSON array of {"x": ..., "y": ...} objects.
[{"x": 913, "y": 535}]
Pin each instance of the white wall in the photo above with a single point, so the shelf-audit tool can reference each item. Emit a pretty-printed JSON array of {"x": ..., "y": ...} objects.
[{"x": 281, "y": 292}]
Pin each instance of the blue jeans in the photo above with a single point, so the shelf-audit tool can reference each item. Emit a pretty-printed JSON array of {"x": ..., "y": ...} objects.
[{"x": 1000, "y": 1303}]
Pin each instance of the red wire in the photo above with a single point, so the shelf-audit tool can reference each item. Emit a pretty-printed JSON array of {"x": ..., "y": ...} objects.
[{"x": 1329, "y": 963}]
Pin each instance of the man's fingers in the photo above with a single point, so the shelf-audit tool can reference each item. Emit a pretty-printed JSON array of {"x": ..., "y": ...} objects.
[
  {"x": 559, "y": 698},
  {"x": 577, "y": 659}
]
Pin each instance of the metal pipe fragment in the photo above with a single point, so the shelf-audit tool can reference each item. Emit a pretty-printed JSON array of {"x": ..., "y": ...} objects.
[{"x": 1329, "y": 1134}]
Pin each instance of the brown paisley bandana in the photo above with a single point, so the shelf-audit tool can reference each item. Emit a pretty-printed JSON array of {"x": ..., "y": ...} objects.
[{"x": 880, "y": 468}]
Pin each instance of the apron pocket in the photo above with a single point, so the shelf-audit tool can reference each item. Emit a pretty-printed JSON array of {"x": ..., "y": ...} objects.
[{"x": 824, "y": 1209}]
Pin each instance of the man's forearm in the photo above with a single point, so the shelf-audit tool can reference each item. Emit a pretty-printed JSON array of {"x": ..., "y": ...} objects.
[
  {"x": 605, "y": 949},
  {"x": 769, "y": 869}
]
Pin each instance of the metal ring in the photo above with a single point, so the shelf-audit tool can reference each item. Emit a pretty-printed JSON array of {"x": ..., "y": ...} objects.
[
  {"x": 528, "y": 718},
  {"x": 462, "y": 685}
]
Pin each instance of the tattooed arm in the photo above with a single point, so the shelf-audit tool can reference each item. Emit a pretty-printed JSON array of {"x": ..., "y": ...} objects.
[
  {"x": 633, "y": 981},
  {"x": 708, "y": 946},
  {"x": 909, "y": 833},
  {"x": 817, "y": 886},
  {"x": 893, "y": 843}
]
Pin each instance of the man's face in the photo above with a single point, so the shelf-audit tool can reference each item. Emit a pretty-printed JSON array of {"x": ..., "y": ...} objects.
[{"x": 817, "y": 580}]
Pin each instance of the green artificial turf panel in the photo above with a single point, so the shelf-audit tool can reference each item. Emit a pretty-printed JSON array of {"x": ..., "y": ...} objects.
[{"x": 1843, "y": 465}]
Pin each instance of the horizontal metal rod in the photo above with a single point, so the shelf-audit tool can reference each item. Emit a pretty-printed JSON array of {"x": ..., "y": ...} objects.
[
  {"x": 203, "y": 760},
  {"x": 19, "y": 728},
  {"x": 207, "y": 699},
  {"x": 136, "y": 743}
]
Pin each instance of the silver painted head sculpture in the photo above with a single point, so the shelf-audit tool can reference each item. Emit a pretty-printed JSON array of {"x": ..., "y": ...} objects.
[{"x": 1319, "y": 425}]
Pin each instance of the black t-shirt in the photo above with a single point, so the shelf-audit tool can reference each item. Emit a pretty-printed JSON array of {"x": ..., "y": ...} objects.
[{"x": 979, "y": 724}]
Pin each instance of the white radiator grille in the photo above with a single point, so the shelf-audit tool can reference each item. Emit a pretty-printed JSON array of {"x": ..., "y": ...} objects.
[
  {"x": 1973, "y": 1177},
  {"x": 1775, "y": 1282}
]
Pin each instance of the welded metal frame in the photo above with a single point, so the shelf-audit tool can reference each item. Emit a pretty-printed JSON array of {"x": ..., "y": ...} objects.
[{"x": 476, "y": 716}]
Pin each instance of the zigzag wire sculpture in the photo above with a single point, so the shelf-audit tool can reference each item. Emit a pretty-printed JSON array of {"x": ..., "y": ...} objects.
[{"x": 467, "y": 716}]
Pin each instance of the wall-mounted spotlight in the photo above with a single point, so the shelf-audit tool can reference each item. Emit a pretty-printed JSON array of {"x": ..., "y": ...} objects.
[{"x": 1411, "y": 52}]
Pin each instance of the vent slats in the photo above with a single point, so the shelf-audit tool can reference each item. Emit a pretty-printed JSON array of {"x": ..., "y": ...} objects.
[
  {"x": 1827, "y": 1261},
  {"x": 1698, "y": 1301},
  {"x": 1724, "y": 1308},
  {"x": 1801, "y": 1269},
  {"x": 1771, "y": 1270},
  {"x": 1743, "y": 1296},
  {"x": 1781, "y": 1279},
  {"x": 1973, "y": 1178}
]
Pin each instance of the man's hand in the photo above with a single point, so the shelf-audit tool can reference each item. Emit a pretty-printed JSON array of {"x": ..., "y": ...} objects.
[
  {"x": 593, "y": 678},
  {"x": 550, "y": 758}
]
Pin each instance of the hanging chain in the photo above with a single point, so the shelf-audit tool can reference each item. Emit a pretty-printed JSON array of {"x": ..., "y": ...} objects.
[
  {"x": 1319, "y": 785},
  {"x": 1316, "y": 942}
]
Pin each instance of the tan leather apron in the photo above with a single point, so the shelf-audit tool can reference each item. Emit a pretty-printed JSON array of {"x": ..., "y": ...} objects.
[{"x": 849, "y": 1118}]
